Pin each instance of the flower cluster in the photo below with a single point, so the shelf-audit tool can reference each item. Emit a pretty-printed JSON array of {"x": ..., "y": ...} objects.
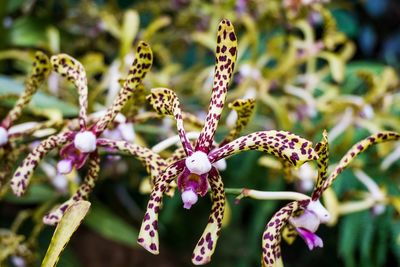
[
  {"x": 290, "y": 92},
  {"x": 81, "y": 145},
  {"x": 195, "y": 171}
]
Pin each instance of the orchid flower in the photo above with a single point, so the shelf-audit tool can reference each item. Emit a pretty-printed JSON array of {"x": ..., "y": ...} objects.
[
  {"x": 304, "y": 217},
  {"x": 195, "y": 172},
  {"x": 82, "y": 145},
  {"x": 8, "y": 134}
]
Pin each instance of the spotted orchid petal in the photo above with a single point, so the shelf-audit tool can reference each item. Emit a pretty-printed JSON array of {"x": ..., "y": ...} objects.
[
  {"x": 8, "y": 159},
  {"x": 322, "y": 149},
  {"x": 136, "y": 102},
  {"x": 226, "y": 53},
  {"x": 358, "y": 148},
  {"x": 82, "y": 192},
  {"x": 244, "y": 109},
  {"x": 148, "y": 235},
  {"x": 166, "y": 102},
  {"x": 271, "y": 252},
  {"x": 24, "y": 172},
  {"x": 40, "y": 71},
  {"x": 153, "y": 162},
  {"x": 140, "y": 66},
  {"x": 73, "y": 70},
  {"x": 282, "y": 144},
  {"x": 206, "y": 245}
]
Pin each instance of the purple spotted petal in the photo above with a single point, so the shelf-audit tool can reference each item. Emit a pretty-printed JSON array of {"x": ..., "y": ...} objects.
[
  {"x": 206, "y": 245},
  {"x": 358, "y": 148},
  {"x": 40, "y": 71},
  {"x": 152, "y": 161},
  {"x": 73, "y": 70},
  {"x": 166, "y": 102},
  {"x": 140, "y": 67},
  {"x": 148, "y": 235},
  {"x": 24, "y": 172},
  {"x": 81, "y": 193},
  {"x": 226, "y": 53},
  {"x": 311, "y": 239},
  {"x": 284, "y": 145},
  {"x": 322, "y": 149},
  {"x": 271, "y": 240}
]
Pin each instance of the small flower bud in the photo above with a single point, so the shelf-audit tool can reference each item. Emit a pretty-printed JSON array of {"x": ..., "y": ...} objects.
[
  {"x": 64, "y": 166},
  {"x": 3, "y": 136},
  {"x": 85, "y": 142},
  {"x": 198, "y": 163},
  {"x": 189, "y": 198}
]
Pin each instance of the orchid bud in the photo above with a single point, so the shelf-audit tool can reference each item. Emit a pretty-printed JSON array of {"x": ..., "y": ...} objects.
[
  {"x": 64, "y": 166},
  {"x": 189, "y": 198}
]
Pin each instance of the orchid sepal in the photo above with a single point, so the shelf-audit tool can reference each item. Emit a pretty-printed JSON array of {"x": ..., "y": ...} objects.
[
  {"x": 282, "y": 144},
  {"x": 226, "y": 54},
  {"x": 23, "y": 174},
  {"x": 148, "y": 234}
]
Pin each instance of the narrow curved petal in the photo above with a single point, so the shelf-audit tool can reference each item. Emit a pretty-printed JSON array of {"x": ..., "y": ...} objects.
[
  {"x": 82, "y": 192},
  {"x": 322, "y": 149},
  {"x": 166, "y": 102},
  {"x": 24, "y": 172},
  {"x": 357, "y": 149},
  {"x": 152, "y": 161},
  {"x": 8, "y": 160},
  {"x": 282, "y": 144},
  {"x": 148, "y": 235},
  {"x": 206, "y": 245},
  {"x": 140, "y": 67},
  {"x": 40, "y": 71},
  {"x": 226, "y": 53},
  {"x": 271, "y": 240},
  {"x": 75, "y": 73},
  {"x": 244, "y": 109},
  {"x": 135, "y": 103}
]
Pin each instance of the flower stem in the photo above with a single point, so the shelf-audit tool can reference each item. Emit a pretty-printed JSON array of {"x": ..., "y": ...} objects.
[
  {"x": 173, "y": 140},
  {"x": 265, "y": 195},
  {"x": 356, "y": 206}
]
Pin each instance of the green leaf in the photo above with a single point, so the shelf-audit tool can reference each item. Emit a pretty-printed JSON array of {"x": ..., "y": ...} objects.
[
  {"x": 109, "y": 225},
  {"x": 39, "y": 100},
  {"x": 69, "y": 223},
  {"x": 37, "y": 193},
  {"x": 349, "y": 234},
  {"x": 28, "y": 31},
  {"x": 129, "y": 30},
  {"x": 346, "y": 22}
]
